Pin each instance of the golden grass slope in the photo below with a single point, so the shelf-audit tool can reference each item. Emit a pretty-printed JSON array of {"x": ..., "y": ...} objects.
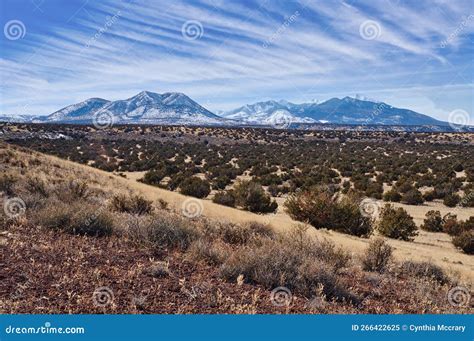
[{"x": 433, "y": 247}]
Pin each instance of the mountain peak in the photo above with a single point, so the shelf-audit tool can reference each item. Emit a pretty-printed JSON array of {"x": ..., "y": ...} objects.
[
  {"x": 147, "y": 95},
  {"x": 145, "y": 107},
  {"x": 346, "y": 110},
  {"x": 95, "y": 99}
]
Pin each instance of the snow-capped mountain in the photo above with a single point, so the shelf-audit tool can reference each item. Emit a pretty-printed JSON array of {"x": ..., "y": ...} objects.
[
  {"x": 144, "y": 108},
  {"x": 266, "y": 113},
  {"x": 77, "y": 113},
  {"x": 15, "y": 119},
  {"x": 347, "y": 110},
  {"x": 173, "y": 108}
]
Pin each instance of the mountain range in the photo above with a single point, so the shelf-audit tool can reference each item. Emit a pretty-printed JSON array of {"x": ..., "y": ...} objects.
[
  {"x": 144, "y": 108},
  {"x": 173, "y": 108},
  {"x": 347, "y": 110}
]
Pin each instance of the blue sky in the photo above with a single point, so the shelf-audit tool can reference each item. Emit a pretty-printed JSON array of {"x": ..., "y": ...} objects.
[{"x": 224, "y": 54}]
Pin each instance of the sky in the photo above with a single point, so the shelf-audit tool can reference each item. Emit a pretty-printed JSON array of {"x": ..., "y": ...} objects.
[{"x": 225, "y": 54}]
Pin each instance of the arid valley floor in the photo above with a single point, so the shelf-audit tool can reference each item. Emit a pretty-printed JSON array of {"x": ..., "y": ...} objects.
[{"x": 109, "y": 220}]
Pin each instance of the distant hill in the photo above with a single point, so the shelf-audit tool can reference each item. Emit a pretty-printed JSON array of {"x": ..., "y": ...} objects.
[
  {"x": 143, "y": 108},
  {"x": 174, "y": 108},
  {"x": 337, "y": 111}
]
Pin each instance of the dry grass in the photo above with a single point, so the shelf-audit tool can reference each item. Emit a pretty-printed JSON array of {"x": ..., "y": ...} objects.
[
  {"x": 377, "y": 256},
  {"x": 203, "y": 265}
]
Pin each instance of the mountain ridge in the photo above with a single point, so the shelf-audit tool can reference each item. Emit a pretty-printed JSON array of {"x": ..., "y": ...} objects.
[
  {"x": 145, "y": 107},
  {"x": 347, "y": 110},
  {"x": 176, "y": 108}
]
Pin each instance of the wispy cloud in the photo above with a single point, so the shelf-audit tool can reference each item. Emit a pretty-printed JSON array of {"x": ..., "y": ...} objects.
[{"x": 113, "y": 49}]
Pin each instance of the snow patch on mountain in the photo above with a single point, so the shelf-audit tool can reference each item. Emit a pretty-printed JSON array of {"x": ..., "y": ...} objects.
[{"x": 146, "y": 107}]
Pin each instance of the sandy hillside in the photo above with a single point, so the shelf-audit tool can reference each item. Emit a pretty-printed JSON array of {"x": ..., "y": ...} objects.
[{"x": 434, "y": 247}]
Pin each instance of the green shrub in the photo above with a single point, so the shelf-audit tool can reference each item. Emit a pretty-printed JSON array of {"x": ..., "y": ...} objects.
[
  {"x": 274, "y": 190},
  {"x": 424, "y": 270},
  {"x": 413, "y": 197},
  {"x": 154, "y": 177},
  {"x": 158, "y": 269},
  {"x": 163, "y": 204},
  {"x": 55, "y": 216},
  {"x": 7, "y": 183},
  {"x": 195, "y": 187},
  {"x": 468, "y": 225},
  {"x": 36, "y": 185},
  {"x": 274, "y": 264},
  {"x": 433, "y": 222},
  {"x": 451, "y": 200},
  {"x": 134, "y": 204},
  {"x": 78, "y": 189},
  {"x": 377, "y": 256},
  {"x": 243, "y": 234},
  {"x": 392, "y": 195},
  {"x": 429, "y": 196},
  {"x": 80, "y": 219},
  {"x": 71, "y": 191},
  {"x": 397, "y": 224},
  {"x": 226, "y": 198},
  {"x": 213, "y": 253},
  {"x": 468, "y": 199},
  {"x": 321, "y": 209},
  {"x": 451, "y": 225},
  {"x": 374, "y": 190},
  {"x": 220, "y": 182},
  {"x": 465, "y": 241},
  {"x": 252, "y": 197},
  {"x": 168, "y": 231},
  {"x": 92, "y": 221}
]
